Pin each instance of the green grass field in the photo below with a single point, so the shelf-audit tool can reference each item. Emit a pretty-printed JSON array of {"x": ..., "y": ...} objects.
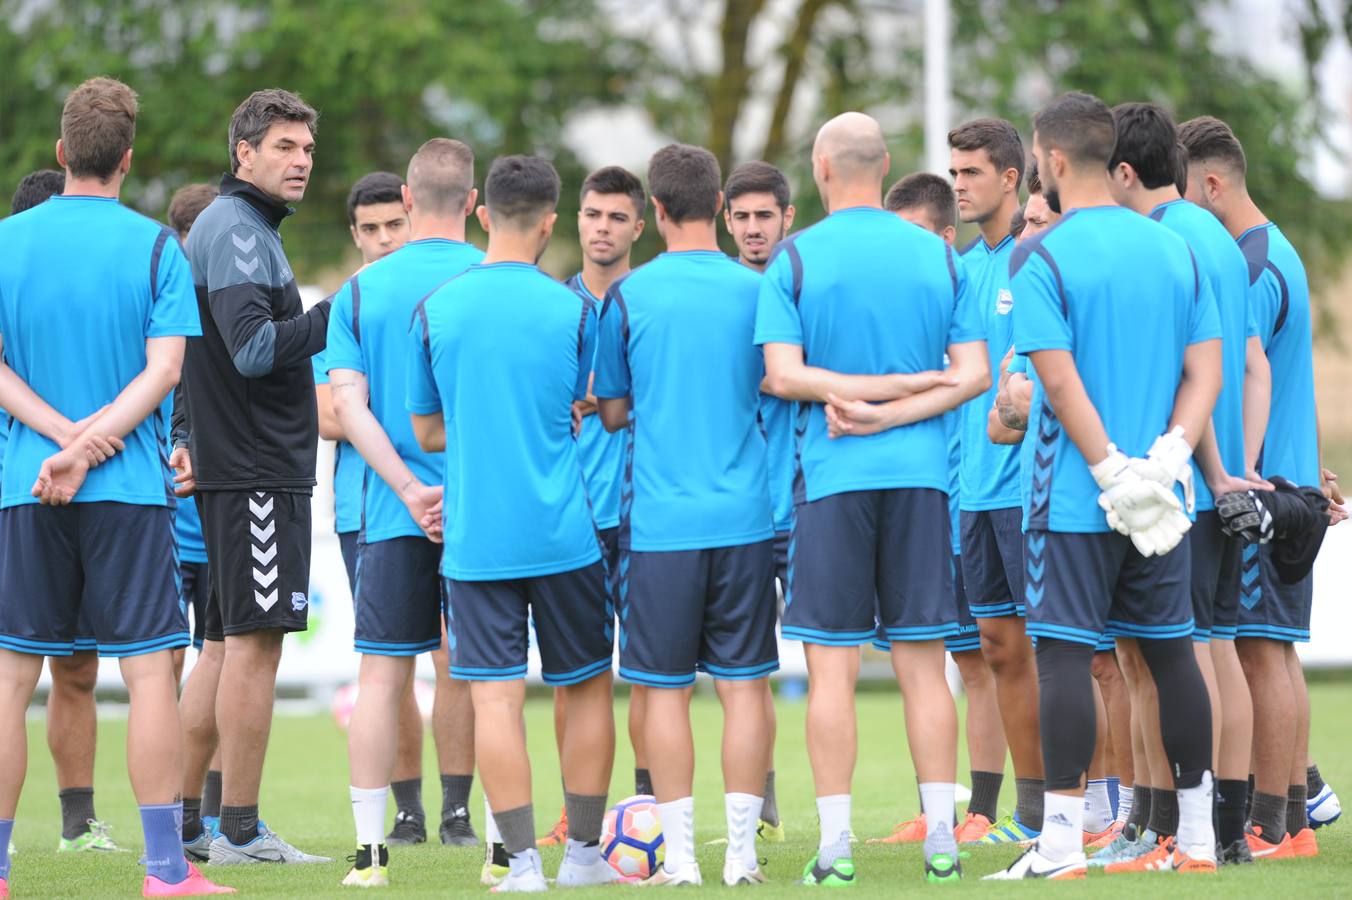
[{"x": 305, "y": 799}]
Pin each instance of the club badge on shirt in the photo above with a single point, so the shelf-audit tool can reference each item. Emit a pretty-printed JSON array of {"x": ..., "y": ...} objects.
[{"x": 1004, "y": 302}]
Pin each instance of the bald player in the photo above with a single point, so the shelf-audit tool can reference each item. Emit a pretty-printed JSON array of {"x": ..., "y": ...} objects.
[{"x": 870, "y": 528}]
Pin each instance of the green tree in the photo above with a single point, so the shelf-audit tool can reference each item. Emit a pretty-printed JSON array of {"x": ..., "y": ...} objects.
[{"x": 502, "y": 74}]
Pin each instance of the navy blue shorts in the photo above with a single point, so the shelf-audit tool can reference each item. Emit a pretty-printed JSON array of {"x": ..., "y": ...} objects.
[
  {"x": 125, "y": 555},
  {"x": 710, "y": 610},
  {"x": 398, "y": 605},
  {"x": 85, "y": 642},
  {"x": 862, "y": 560},
  {"x": 1215, "y": 579},
  {"x": 488, "y": 623},
  {"x": 1267, "y": 607},
  {"x": 347, "y": 545},
  {"x": 992, "y": 560},
  {"x": 782, "y": 559},
  {"x": 968, "y": 636},
  {"x": 1083, "y": 586},
  {"x": 195, "y": 584}
]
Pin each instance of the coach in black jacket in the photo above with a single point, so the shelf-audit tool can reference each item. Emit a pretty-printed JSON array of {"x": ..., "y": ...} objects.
[{"x": 251, "y": 432}]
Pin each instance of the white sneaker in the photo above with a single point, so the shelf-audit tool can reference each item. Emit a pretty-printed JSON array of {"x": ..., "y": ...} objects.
[
  {"x": 736, "y": 873},
  {"x": 574, "y": 874},
  {"x": 1034, "y": 865},
  {"x": 1323, "y": 808},
  {"x": 267, "y": 847},
  {"x": 530, "y": 881},
  {"x": 687, "y": 874}
]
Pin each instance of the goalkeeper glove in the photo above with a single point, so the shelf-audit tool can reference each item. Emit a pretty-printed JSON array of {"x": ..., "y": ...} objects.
[
  {"x": 1168, "y": 461},
  {"x": 1138, "y": 507},
  {"x": 1245, "y": 515}
]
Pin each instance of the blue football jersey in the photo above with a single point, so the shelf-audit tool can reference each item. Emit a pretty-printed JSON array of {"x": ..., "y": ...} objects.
[
  {"x": 676, "y": 339},
  {"x": 1279, "y": 295},
  {"x": 866, "y": 293},
  {"x": 1222, "y": 264},
  {"x": 777, "y": 420},
  {"x": 990, "y": 472},
  {"x": 368, "y": 333},
  {"x": 349, "y": 470},
  {"x": 75, "y": 329},
  {"x": 501, "y": 352},
  {"x": 602, "y": 452},
  {"x": 953, "y": 425},
  {"x": 1124, "y": 296}
]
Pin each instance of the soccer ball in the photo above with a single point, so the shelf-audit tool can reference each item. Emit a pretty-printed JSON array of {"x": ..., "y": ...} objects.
[{"x": 631, "y": 837}]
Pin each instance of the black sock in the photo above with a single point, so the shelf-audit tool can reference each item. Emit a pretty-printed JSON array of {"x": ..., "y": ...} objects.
[
  {"x": 211, "y": 794},
  {"x": 1296, "y": 817},
  {"x": 1230, "y": 796},
  {"x": 77, "y": 809},
  {"x": 1268, "y": 816},
  {"x": 769, "y": 808},
  {"x": 1314, "y": 782},
  {"x": 1163, "y": 812},
  {"x": 1248, "y": 800},
  {"x": 643, "y": 782},
  {"x": 239, "y": 823},
  {"x": 192, "y": 818},
  {"x": 455, "y": 795},
  {"x": 985, "y": 793},
  {"x": 408, "y": 798},
  {"x": 1140, "y": 811}
]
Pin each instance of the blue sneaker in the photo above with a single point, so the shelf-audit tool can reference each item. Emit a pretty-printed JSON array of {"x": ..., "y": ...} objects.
[
  {"x": 1125, "y": 849},
  {"x": 1009, "y": 830}
]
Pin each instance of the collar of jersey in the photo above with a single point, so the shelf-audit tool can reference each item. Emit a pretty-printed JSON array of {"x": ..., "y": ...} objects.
[
  {"x": 271, "y": 210},
  {"x": 996, "y": 249},
  {"x": 1167, "y": 203},
  {"x": 1250, "y": 230}
]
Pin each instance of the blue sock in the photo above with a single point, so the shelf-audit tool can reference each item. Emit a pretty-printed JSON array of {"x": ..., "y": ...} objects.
[
  {"x": 6, "y": 831},
  {"x": 163, "y": 827},
  {"x": 1113, "y": 798}
]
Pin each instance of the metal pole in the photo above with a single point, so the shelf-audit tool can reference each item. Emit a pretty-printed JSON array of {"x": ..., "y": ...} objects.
[{"x": 938, "y": 90}]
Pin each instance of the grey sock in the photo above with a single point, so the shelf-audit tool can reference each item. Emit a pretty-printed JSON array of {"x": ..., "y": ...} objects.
[
  {"x": 1028, "y": 804},
  {"x": 1314, "y": 782},
  {"x": 585, "y": 814},
  {"x": 643, "y": 782},
  {"x": 1296, "y": 817},
  {"x": 770, "y": 809},
  {"x": 940, "y": 840},
  {"x": 192, "y": 818},
  {"x": 455, "y": 795},
  {"x": 517, "y": 827},
  {"x": 1268, "y": 813},
  {"x": 408, "y": 798},
  {"x": 838, "y": 849},
  {"x": 211, "y": 794},
  {"x": 1164, "y": 811},
  {"x": 985, "y": 793},
  {"x": 239, "y": 823},
  {"x": 77, "y": 808}
]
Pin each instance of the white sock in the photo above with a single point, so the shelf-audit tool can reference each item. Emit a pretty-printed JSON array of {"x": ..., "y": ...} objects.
[
  {"x": 936, "y": 798},
  {"x": 677, "y": 819},
  {"x": 833, "y": 814},
  {"x": 1062, "y": 826},
  {"x": 581, "y": 854},
  {"x": 1196, "y": 834},
  {"x": 1098, "y": 809},
  {"x": 494, "y": 836},
  {"x": 743, "y": 811},
  {"x": 1125, "y": 799},
  {"x": 368, "y": 811}
]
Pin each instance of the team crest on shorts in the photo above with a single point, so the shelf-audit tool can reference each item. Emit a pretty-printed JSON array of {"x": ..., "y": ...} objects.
[
  {"x": 299, "y": 601},
  {"x": 1004, "y": 302}
]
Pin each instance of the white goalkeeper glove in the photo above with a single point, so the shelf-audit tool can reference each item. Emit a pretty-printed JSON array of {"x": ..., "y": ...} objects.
[
  {"x": 1138, "y": 507},
  {"x": 1169, "y": 461}
]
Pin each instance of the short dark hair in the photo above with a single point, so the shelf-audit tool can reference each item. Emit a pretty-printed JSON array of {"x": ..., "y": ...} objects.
[
  {"x": 98, "y": 125},
  {"x": 520, "y": 189},
  {"x": 1208, "y": 139},
  {"x": 1034, "y": 180},
  {"x": 373, "y": 188},
  {"x": 260, "y": 111},
  {"x": 1147, "y": 141},
  {"x": 1181, "y": 167},
  {"x": 757, "y": 177},
  {"x": 928, "y": 191},
  {"x": 686, "y": 180},
  {"x": 441, "y": 175},
  {"x": 187, "y": 204},
  {"x": 1017, "y": 223},
  {"x": 616, "y": 180},
  {"x": 998, "y": 137},
  {"x": 1080, "y": 126},
  {"x": 35, "y": 188}
]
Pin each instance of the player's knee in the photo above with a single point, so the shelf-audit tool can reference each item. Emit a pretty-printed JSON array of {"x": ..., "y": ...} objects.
[
  {"x": 77, "y": 674},
  {"x": 1170, "y": 658},
  {"x": 975, "y": 671},
  {"x": 1105, "y": 670}
]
